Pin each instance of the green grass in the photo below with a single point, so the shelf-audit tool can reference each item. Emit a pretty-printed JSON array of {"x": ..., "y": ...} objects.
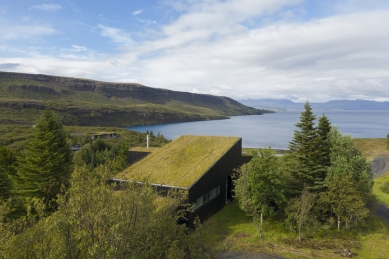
[
  {"x": 181, "y": 162},
  {"x": 371, "y": 147},
  {"x": 382, "y": 197},
  {"x": 14, "y": 135},
  {"x": 230, "y": 229}
]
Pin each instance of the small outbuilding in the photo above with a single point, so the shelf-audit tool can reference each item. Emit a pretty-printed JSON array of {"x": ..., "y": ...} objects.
[
  {"x": 104, "y": 135},
  {"x": 202, "y": 165}
]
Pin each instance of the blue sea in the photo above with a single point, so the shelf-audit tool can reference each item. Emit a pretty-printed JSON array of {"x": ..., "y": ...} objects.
[{"x": 276, "y": 129}]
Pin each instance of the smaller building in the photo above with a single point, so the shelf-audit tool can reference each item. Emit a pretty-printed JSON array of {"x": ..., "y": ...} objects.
[
  {"x": 202, "y": 165},
  {"x": 104, "y": 135}
]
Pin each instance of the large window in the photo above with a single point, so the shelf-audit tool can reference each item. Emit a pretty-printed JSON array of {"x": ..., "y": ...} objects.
[{"x": 206, "y": 198}]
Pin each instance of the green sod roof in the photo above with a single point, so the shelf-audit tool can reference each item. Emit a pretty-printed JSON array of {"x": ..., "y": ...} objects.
[{"x": 181, "y": 162}]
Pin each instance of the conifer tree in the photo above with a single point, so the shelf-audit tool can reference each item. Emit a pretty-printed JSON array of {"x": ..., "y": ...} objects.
[
  {"x": 324, "y": 148},
  {"x": 323, "y": 129},
  {"x": 304, "y": 151},
  {"x": 46, "y": 163},
  {"x": 7, "y": 160}
]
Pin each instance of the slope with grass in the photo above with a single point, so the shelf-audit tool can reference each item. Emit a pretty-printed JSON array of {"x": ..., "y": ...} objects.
[
  {"x": 89, "y": 102},
  {"x": 181, "y": 162}
]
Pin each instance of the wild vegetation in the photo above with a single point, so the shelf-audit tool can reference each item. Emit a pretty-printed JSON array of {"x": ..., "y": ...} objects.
[
  {"x": 323, "y": 184},
  {"x": 56, "y": 205},
  {"x": 297, "y": 206},
  {"x": 85, "y": 102}
]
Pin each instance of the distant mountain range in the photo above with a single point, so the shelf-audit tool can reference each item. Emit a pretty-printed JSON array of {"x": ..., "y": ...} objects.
[{"x": 284, "y": 104}]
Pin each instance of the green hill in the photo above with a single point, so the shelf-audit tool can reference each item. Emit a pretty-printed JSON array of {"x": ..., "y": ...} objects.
[{"x": 89, "y": 102}]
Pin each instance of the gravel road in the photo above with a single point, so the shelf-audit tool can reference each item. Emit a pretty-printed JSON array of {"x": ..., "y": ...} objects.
[{"x": 380, "y": 165}]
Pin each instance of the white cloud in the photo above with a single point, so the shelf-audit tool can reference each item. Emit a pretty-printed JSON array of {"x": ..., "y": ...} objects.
[
  {"x": 15, "y": 32},
  {"x": 78, "y": 48},
  {"x": 210, "y": 48},
  {"x": 116, "y": 35},
  {"x": 46, "y": 7},
  {"x": 137, "y": 12}
]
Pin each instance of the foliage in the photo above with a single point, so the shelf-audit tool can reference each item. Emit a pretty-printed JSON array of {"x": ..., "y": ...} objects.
[
  {"x": 45, "y": 166},
  {"x": 7, "y": 161},
  {"x": 121, "y": 158},
  {"x": 95, "y": 221},
  {"x": 300, "y": 212},
  {"x": 308, "y": 150},
  {"x": 323, "y": 129},
  {"x": 344, "y": 198},
  {"x": 259, "y": 186},
  {"x": 385, "y": 187},
  {"x": 14, "y": 135},
  {"x": 347, "y": 159}
]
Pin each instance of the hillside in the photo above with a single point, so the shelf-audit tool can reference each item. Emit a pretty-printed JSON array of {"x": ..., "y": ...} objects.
[{"x": 88, "y": 102}]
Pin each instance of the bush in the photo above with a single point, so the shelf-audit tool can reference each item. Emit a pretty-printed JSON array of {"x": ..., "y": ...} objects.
[{"x": 385, "y": 187}]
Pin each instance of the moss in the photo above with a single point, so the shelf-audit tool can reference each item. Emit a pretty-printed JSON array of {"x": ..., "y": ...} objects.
[{"x": 182, "y": 161}]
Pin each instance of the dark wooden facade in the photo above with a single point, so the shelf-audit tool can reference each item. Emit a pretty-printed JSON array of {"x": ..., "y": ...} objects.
[
  {"x": 135, "y": 156},
  {"x": 219, "y": 175},
  {"x": 216, "y": 180}
]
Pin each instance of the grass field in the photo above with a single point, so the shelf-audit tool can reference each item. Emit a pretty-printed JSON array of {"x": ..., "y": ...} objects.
[
  {"x": 372, "y": 147},
  {"x": 231, "y": 230}
]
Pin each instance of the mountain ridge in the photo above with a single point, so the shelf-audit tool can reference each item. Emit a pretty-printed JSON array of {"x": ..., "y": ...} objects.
[{"x": 96, "y": 103}]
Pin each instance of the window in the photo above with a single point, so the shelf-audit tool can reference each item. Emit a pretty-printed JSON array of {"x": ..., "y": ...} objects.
[
  {"x": 206, "y": 198},
  {"x": 212, "y": 193},
  {"x": 198, "y": 203}
]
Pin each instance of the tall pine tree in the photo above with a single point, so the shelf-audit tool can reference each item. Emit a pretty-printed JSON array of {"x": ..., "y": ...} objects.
[
  {"x": 46, "y": 163},
  {"x": 324, "y": 147},
  {"x": 305, "y": 152},
  {"x": 7, "y": 160}
]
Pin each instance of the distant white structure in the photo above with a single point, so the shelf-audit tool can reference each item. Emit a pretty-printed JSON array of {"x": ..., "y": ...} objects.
[{"x": 148, "y": 137}]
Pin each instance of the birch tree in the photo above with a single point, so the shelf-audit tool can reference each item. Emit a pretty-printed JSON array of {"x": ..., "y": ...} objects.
[{"x": 259, "y": 188}]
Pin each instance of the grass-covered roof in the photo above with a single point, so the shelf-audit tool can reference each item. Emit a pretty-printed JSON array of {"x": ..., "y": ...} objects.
[{"x": 181, "y": 162}]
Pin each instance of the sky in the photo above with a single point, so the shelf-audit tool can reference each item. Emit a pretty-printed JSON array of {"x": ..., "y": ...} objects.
[{"x": 316, "y": 50}]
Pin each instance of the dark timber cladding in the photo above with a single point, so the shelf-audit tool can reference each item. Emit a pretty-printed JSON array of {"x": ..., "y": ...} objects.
[
  {"x": 218, "y": 176},
  {"x": 202, "y": 165}
]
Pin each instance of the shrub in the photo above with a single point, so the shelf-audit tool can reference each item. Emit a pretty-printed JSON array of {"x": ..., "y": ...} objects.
[{"x": 385, "y": 187}]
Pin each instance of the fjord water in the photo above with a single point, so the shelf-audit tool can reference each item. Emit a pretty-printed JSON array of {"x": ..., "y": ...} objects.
[{"x": 276, "y": 129}]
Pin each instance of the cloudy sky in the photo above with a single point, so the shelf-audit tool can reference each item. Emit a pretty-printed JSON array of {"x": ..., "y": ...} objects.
[{"x": 315, "y": 49}]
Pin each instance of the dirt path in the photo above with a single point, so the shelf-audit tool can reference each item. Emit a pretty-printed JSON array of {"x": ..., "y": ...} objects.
[{"x": 380, "y": 165}]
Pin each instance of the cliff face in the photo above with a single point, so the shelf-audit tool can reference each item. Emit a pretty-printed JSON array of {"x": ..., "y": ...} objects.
[{"x": 89, "y": 102}]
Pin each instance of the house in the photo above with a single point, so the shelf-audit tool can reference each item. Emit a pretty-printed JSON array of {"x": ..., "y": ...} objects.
[
  {"x": 202, "y": 165},
  {"x": 103, "y": 135}
]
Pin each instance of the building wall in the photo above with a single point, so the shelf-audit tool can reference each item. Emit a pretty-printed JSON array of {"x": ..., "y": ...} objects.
[
  {"x": 135, "y": 156},
  {"x": 217, "y": 175}
]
